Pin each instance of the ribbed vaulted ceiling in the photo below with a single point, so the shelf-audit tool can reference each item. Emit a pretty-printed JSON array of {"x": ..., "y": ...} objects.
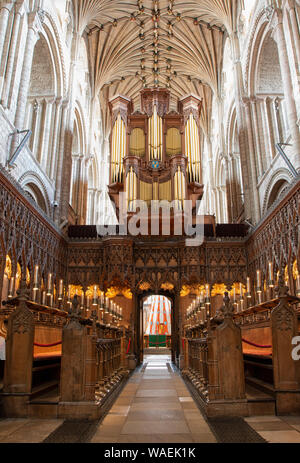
[{"x": 165, "y": 43}]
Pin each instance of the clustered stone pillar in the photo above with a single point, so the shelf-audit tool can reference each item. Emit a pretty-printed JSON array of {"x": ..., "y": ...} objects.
[
  {"x": 276, "y": 18},
  {"x": 5, "y": 9},
  {"x": 34, "y": 26},
  {"x": 249, "y": 176},
  {"x": 11, "y": 55}
]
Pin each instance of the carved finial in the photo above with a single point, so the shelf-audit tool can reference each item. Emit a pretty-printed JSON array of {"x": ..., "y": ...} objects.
[
  {"x": 227, "y": 309},
  {"x": 94, "y": 315},
  {"x": 74, "y": 307},
  {"x": 281, "y": 289},
  {"x": 23, "y": 292}
]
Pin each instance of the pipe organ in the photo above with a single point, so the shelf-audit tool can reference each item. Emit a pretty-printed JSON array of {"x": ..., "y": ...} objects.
[{"x": 155, "y": 153}]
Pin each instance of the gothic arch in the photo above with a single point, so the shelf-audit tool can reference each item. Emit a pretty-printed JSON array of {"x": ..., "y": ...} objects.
[
  {"x": 36, "y": 189},
  {"x": 47, "y": 89},
  {"x": 279, "y": 181}
]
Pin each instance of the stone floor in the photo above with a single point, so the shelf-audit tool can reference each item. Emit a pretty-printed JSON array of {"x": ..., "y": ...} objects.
[{"x": 155, "y": 406}]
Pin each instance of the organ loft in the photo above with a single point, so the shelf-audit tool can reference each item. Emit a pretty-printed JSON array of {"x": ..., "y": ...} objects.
[
  {"x": 156, "y": 153},
  {"x": 125, "y": 127}
]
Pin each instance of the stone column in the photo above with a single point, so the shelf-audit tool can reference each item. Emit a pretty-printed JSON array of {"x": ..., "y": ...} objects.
[
  {"x": 11, "y": 56},
  {"x": 58, "y": 174},
  {"x": 256, "y": 204},
  {"x": 5, "y": 10},
  {"x": 73, "y": 179},
  {"x": 242, "y": 131},
  {"x": 54, "y": 137},
  {"x": 269, "y": 120},
  {"x": 290, "y": 5},
  {"x": 234, "y": 193},
  {"x": 34, "y": 26},
  {"x": 45, "y": 143},
  {"x": 35, "y": 125},
  {"x": 257, "y": 137},
  {"x": 228, "y": 190},
  {"x": 276, "y": 17}
]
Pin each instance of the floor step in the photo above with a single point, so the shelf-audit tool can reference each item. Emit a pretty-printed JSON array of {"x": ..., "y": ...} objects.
[
  {"x": 261, "y": 385},
  {"x": 43, "y": 389},
  {"x": 259, "y": 402}
]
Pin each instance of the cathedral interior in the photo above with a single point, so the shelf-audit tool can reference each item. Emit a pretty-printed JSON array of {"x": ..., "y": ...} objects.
[{"x": 149, "y": 221}]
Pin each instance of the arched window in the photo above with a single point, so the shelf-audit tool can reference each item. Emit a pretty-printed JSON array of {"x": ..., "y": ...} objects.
[
  {"x": 41, "y": 98},
  {"x": 277, "y": 191},
  {"x": 35, "y": 193},
  {"x": 269, "y": 110}
]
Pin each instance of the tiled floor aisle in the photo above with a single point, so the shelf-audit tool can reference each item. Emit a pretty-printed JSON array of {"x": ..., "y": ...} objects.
[{"x": 154, "y": 406}]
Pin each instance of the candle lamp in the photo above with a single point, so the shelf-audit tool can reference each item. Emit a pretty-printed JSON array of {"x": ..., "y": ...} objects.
[
  {"x": 36, "y": 278},
  {"x": 11, "y": 288},
  {"x": 241, "y": 292},
  {"x": 248, "y": 288},
  {"x": 49, "y": 285},
  {"x": 106, "y": 305},
  {"x": 271, "y": 275},
  {"x": 258, "y": 282},
  {"x": 198, "y": 304},
  {"x": 69, "y": 295},
  {"x": 207, "y": 298},
  {"x": 61, "y": 290},
  {"x": 102, "y": 301},
  {"x": 95, "y": 297},
  {"x": 298, "y": 285}
]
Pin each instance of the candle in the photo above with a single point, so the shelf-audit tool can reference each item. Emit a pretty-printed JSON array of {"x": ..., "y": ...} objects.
[
  {"x": 95, "y": 296},
  {"x": 202, "y": 297},
  {"x": 87, "y": 302},
  {"x": 60, "y": 290},
  {"x": 248, "y": 287},
  {"x": 271, "y": 271},
  {"x": 207, "y": 291},
  {"x": 102, "y": 301},
  {"x": 36, "y": 278},
  {"x": 241, "y": 291},
  {"x": 44, "y": 298},
  {"x": 49, "y": 285},
  {"x": 82, "y": 299},
  {"x": 11, "y": 287},
  {"x": 234, "y": 295},
  {"x": 258, "y": 275},
  {"x": 69, "y": 294},
  {"x": 298, "y": 285}
]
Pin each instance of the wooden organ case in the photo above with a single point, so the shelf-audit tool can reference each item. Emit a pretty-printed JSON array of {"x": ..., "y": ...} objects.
[{"x": 155, "y": 153}]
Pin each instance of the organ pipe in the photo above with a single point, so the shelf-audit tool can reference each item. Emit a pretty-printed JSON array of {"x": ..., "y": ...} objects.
[
  {"x": 155, "y": 136},
  {"x": 131, "y": 189},
  {"x": 118, "y": 149},
  {"x": 192, "y": 149},
  {"x": 179, "y": 188}
]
